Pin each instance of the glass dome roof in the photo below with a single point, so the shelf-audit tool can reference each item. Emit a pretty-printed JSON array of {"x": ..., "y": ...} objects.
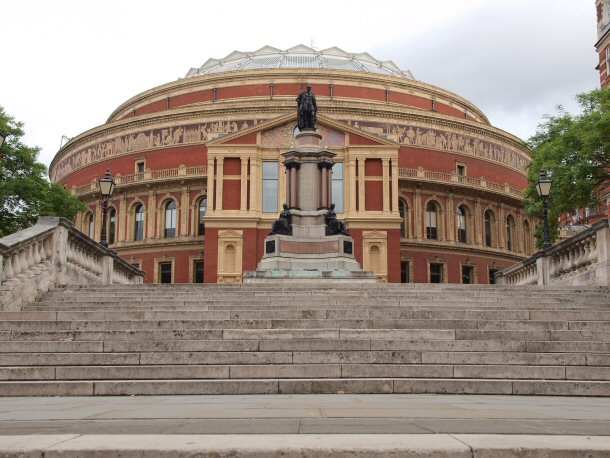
[{"x": 299, "y": 57}]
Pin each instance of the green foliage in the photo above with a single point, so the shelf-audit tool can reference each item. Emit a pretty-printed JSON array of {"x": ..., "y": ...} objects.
[
  {"x": 575, "y": 151},
  {"x": 25, "y": 192}
]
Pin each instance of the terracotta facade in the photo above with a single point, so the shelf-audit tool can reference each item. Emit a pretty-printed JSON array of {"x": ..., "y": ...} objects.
[{"x": 430, "y": 190}]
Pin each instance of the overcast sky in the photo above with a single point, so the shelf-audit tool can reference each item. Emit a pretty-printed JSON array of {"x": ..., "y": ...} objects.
[{"x": 67, "y": 64}]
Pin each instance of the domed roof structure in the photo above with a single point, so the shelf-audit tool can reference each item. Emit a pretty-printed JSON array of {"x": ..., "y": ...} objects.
[{"x": 299, "y": 56}]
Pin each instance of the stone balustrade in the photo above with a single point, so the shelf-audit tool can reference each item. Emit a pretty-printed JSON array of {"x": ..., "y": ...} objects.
[
  {"x": 196, "y": 171},
  {"x": 53, "y": 253},
  {"x": 583, "y": 259},
  {"x": 420, "y": 174}
]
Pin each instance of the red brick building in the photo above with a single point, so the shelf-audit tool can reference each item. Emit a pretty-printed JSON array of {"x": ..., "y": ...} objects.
[{"x": 430, "y": 190}]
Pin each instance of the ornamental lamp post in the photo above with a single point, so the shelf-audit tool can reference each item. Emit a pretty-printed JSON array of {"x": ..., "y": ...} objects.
[
  {"x": 543, "y": 187},
  {"x": 106, "y": 185}
]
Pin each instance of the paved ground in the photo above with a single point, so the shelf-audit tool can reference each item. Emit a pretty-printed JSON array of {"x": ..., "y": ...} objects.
[{"x": 307, "y": 414}]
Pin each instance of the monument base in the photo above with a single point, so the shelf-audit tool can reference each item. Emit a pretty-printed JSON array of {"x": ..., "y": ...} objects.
[{"x": 313, "y": 276}]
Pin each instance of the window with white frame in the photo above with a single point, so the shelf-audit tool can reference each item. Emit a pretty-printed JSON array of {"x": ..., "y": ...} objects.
[
  {"x": 337, "y": 187},
  {"x": 270, "y": 186}
]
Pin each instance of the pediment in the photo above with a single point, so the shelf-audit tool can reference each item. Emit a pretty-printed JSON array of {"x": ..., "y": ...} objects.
[{"x": 279, "y": 133}]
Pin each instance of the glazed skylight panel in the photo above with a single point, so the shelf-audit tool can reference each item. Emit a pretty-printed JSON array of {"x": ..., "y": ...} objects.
[
  {"x": 301, "y": 62},
  {"x": 339, "y": 64},
  {"x": 262, "y": 62}
]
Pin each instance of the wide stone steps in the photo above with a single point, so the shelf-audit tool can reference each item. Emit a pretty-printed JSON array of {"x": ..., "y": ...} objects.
[{"x": 184, "y": 339}]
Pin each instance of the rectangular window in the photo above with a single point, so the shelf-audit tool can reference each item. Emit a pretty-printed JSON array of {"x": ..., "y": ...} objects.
[
  {"x": 270, "y": 187},
  {"x": 492, "y": 278},
  {"x": 165, "y": 272},
  {"x": 404, "y": 272},
  {"x": 460, "y": 170},
  {"x": 608, "y": 62},
  {"x": 337, "y": 187},
  {"x": 436, "y": 273},
  {"x": 198, "y": 271},
  {"x": 140, "y": 165},
  {"x": 467, "y": 275}
]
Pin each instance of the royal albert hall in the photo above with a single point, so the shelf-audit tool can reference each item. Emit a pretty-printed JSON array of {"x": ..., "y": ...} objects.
[{"x": 430, "y": 190}]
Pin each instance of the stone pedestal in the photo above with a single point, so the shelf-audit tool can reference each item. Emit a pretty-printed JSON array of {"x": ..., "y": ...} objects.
[{"x": 308, "y": 254}]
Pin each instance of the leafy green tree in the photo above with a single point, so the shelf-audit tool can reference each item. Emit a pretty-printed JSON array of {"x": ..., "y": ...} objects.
[
  {"x": 25, "y": 192},
  {"x": 575, "y": 151}
]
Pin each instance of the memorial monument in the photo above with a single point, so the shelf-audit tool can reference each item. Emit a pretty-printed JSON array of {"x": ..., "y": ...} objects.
[{"x": 307, "y": 241}]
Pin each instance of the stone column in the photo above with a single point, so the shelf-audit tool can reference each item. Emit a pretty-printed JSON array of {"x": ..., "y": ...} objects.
[
  {"x": 244, "y": 184},
  {"x": 361, "y": 206},
  {"x": 219, "y": 181},
  {"x": 151, "y": 206},
  {"x": 184, "y": 211},
  {"x": 351, "y": 170},
  {"x": 450, "y": 218},
  {"x": 288, "y": 185},
  {"x": 418, "y": 214},
  {"x": 211, "y": 186},
  {"x": 122, "y": 222},
  {"x": 385, "y": 163},
  {"x": 254, "y": 183},
  {"x": 324, "y": 186},
  {"x": 501, "y": 226},
  {"x": 478, "y": 221},
  {"x": 395, "y": 191}
]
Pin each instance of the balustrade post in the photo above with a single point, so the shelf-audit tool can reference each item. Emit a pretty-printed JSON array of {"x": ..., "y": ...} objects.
[
  {"x": 543, "y": 264},
  {"x": 107, "y": 269},
  {"x": 601, "y": 247}
]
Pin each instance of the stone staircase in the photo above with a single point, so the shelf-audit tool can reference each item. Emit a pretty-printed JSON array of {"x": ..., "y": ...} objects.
[{"x": 259, "y": 339}]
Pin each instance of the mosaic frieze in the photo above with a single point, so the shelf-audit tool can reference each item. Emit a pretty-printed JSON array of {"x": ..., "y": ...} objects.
[
  {"x": 282, "y": 137},
  {"x": 155, "y": 138},
  {"x": 433, "y": 138}
]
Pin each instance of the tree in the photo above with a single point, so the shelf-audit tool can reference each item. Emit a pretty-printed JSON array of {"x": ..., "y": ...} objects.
[
  {"x": 575, "y": 151},
  {"x": 25, "y": 192}
]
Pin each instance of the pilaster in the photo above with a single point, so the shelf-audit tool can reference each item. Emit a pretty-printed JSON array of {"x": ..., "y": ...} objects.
[{"x": 385, "y": 164}]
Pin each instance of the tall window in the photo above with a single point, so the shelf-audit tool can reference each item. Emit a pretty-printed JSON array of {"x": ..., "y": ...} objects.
[
  {"x": 203, "y": 207},
  {"x": 198, "y": 271},
  {"x": 90, "y": 221},
  {"x": 436, "y": 273},
  {"x": 165, "y": 272},
  {"x": 404, "y": 272},
  {"x": 402, "y": 210},
  {"x": 608, "y": 60},
  {"x": 510, "y": 233},
  {"x": 489, "y": 218},
  {"x": 170, "y": 219},
  {"x": 112, "y": 226},
  {"x": 337, "y": 187},
  {"x": 138, "y": 229},
  {"x": 461, "y": 224},
  {"x": 467, "y": 275},
  {"x": 431, "y": 221},
  {"x": 270, "y": 187}
]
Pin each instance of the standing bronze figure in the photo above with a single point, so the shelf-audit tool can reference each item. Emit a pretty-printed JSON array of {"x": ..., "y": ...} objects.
[{"x": 307, "y": 109}]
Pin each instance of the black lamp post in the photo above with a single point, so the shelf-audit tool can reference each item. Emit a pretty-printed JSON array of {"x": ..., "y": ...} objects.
[
  {"x": 106, "y": 185},
  {"x": 543, "y": 187}
]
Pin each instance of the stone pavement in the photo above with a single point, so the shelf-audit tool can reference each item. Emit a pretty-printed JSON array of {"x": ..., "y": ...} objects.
[{"x": 306, "y": 414}]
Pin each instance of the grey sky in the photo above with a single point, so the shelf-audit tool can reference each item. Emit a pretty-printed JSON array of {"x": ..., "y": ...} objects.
[{"x": 67, "y": 64}]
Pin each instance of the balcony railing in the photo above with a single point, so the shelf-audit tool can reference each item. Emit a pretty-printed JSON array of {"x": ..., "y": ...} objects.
[
  {"x": 420, "y": 174},
  {"x": 146, "y": 176}
]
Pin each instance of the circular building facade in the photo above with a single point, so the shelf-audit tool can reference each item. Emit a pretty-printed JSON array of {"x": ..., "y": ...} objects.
[{"x": 430, "y": 190}]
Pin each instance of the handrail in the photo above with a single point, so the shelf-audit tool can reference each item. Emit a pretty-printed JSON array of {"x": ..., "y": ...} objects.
[
  {"x": 583, "y": 259},
  {"x": 53, "y": 253}
]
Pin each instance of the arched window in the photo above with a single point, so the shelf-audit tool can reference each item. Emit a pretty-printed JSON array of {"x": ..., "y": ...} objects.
[
  {"x": 203, "y": 207},
  {"x": 111, "y": 226},
  {"x": 138, "y": 227},
  {"x": 510, "y": 233},
  {"x": 461, "y": 224},
  {"x": 432, "y": 221},
  {"x": 402, "y": 210},
  {"x": 90, "y": 225},
  {"x": 170, "y": 219},
  {"x": 489, "y": 223},
  {"x": 527, "y": 237}
]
